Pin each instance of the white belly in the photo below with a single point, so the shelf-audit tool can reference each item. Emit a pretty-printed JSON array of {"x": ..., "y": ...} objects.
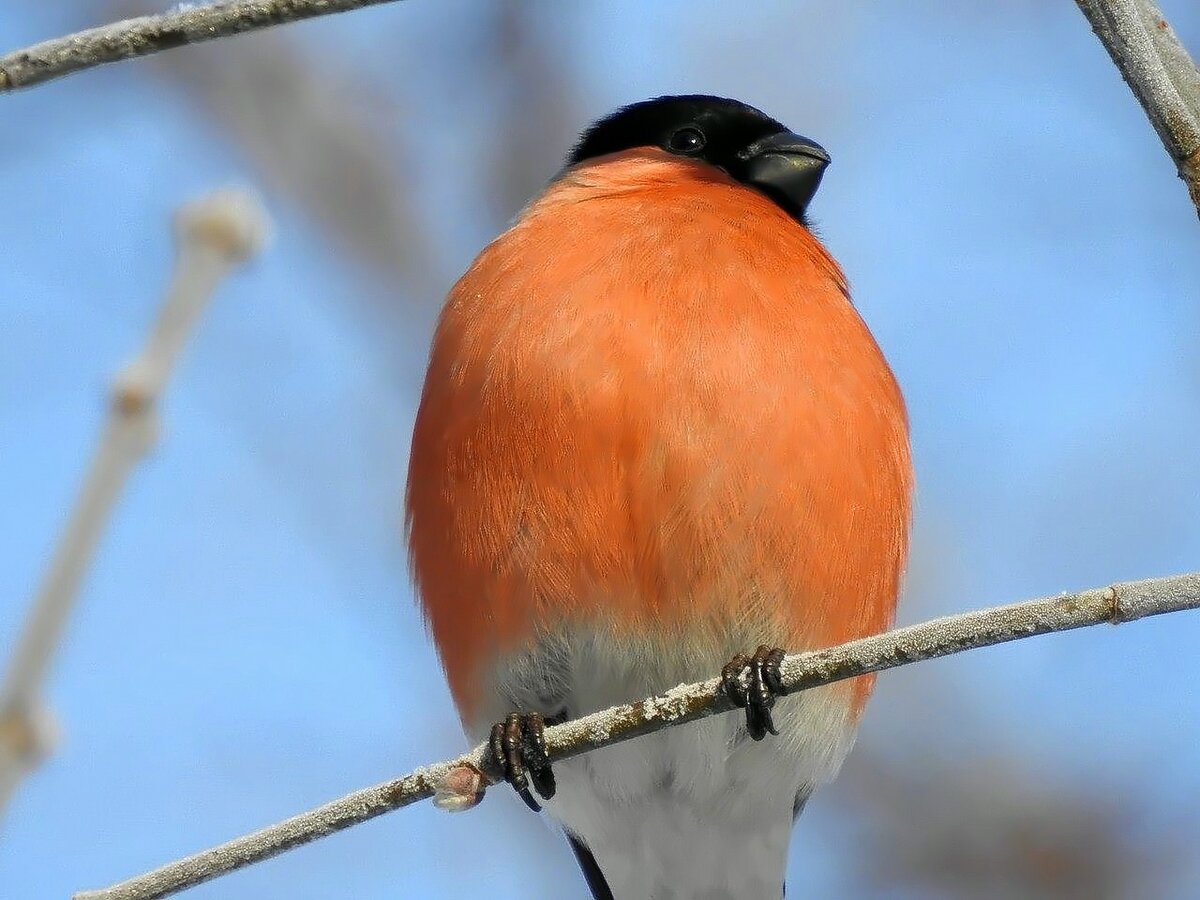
[{"x": 696, "y": 811}]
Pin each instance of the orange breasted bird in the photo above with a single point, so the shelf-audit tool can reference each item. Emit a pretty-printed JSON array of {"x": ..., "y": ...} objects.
[{"x": 655, "y": 435}]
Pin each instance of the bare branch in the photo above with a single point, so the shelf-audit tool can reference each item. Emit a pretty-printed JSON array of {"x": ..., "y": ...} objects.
[
  {"x": 686, "y": 703},
  {"x": 1162, "y": 75},
  {"x": 214, "y": 234},
  {"x": 185, "y": 24}
]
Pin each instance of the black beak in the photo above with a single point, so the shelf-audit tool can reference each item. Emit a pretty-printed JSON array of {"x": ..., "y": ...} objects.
[{"x": 786, "y": 167}]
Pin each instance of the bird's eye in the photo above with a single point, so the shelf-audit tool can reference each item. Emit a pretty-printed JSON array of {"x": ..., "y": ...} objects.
[{"x": 688, "y": 139}]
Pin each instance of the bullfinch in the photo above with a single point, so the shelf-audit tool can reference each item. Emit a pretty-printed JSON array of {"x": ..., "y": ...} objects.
[{"x": 656, "y": 442}]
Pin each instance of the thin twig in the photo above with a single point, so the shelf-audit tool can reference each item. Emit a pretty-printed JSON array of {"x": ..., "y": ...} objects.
[
  {"x": 186, "y": 24},
  {"x": 214, "y": 235},
  {"x": 686, "y": 703},
  {"x": 1162, "y": 75}
]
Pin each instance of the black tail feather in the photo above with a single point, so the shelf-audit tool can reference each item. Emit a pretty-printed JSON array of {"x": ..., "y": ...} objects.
[{"x": 591, "y": 871}]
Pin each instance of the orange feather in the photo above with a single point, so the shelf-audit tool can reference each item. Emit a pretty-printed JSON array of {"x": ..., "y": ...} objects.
[{"x": 650, "y": 404}]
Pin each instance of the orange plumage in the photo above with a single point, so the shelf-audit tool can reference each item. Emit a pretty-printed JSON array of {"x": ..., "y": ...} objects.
[
  {"x": 651, "y": 411},
  {"x": 650, "y": 417}
]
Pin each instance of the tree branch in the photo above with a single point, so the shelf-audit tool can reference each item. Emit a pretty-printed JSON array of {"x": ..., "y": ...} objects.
[
  {"x": 185, "y": 24},
  {"x": 1162, "y": 75},
  {"x": 214, "y": 234},
  {"x": 451, "y": 784}
]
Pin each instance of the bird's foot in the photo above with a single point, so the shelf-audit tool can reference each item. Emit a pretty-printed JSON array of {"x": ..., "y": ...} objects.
[
  {"x": 753, "y": 683},
  {"x": 518, "y": 746}
]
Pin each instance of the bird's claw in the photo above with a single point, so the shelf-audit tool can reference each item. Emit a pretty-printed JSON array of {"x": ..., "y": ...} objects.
[
  {"x": 518, "y": 746},
  {"x": 765, "y": 683}
]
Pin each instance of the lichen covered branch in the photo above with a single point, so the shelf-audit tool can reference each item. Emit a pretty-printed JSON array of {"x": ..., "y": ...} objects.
[
  {"x": 187, "y": 23},
  {"x": 452, "y": 784},
  {"x": 1162, "y": 75}
]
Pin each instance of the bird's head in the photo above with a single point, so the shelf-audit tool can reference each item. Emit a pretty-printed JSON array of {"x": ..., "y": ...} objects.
[{"x": 750, "y": 146}]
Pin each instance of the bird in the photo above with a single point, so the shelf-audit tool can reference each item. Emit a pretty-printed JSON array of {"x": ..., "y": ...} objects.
[{"x": 657, "y": 441}]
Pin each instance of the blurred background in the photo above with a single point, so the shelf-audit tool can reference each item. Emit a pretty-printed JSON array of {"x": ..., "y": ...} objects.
[{"x": 247, "y": 644}]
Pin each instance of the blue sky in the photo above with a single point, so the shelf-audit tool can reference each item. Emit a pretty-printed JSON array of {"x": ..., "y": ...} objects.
[{"x": 246, "y": 644}]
